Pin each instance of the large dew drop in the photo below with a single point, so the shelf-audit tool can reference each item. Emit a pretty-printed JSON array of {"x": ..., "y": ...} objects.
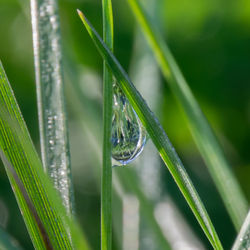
[{"x": 128, "y": 134}]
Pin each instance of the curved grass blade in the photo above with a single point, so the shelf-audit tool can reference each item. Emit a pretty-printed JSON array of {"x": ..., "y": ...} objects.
[
  {"x": 106, "y": 189},
  {"x": 46, "y": 219},
  {"x": 202, "y": 133},
  {"x": 50, "y": 97},
  {"x": 158, "y": 136},
  {"x": 7, "y": 242},
  {"x": 243, "y": 239}
]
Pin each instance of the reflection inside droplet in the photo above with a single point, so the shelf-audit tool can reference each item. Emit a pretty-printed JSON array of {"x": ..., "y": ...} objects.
[{"x": 128, "y": 134}]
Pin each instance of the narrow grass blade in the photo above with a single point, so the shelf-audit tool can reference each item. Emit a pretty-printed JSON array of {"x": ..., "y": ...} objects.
[
  {"x": 158, "y": 136},
  {"x": 50, "y": 97},
  {"x": 7, "y": 242},
  {"x": 106, "y": 189},
  {"x": 46, "y": 219},
  {"x": 243, "y": 239},
  {"x": 202, "y": 133},
  {"x": 80, "y": 105}
]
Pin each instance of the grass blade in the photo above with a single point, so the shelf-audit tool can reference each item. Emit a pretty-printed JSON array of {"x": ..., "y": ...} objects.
[
  {"x": 243, "y": 239},
  {"x": 82, "y": 108},
  {"x": 28, "y": 201},
  {"x": 157, "y": 135},
  {"x": 106, "y": 189},
  {"x": 202, "y": 133},
  {"x": 50, "y": 97},
  {"x": 35, "y": 195}
]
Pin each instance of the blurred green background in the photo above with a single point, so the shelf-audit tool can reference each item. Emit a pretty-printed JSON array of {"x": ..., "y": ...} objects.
[{"x": 210, "y": 40}]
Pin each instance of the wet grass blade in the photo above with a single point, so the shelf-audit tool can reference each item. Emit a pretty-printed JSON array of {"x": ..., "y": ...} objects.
[
  {"x": 45, "y": 217},
  {"x": 158, "y": 136},
  {"x": 50, "y": 97},
  {"x": 106, "y": 187},
  {"x": 82, "y": 107},
  {"x": 243, "y": 239},
  {"x": 202, "y": 133}
]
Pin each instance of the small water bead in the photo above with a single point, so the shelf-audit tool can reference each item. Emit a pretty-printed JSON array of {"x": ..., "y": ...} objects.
[{"x": 128, "y": 134}]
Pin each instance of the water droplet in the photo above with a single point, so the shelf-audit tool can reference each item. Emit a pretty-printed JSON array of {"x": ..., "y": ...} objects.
[{"x": 128, "y": 134}]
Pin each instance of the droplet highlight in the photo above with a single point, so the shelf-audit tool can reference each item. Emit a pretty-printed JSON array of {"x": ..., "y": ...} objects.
[{"x": 128, "y": 134}]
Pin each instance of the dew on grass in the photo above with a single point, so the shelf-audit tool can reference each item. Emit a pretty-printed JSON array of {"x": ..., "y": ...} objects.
[{"x": 128, "y": 134}]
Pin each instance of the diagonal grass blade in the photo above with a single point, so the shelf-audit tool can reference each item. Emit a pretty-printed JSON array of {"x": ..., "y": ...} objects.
[
  {"x": 202, "y": 133},
  {"x": 243, "y": 239},
  {"x": 158, "y": 136},
  {"x": 45, "y": 217},
  {"x": 82, "y": 108}
]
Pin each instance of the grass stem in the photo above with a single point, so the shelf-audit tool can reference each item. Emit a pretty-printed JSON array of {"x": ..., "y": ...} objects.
[{"x": 106, "y": 187}]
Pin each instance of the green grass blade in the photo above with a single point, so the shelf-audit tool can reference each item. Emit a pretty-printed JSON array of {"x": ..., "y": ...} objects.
[
  {"x": 81, "y": 106},
  {"x": 243, "y": 239},
  {"x": 28, "y": 201},
  {"x": 7, "y": 242},
  {"x": 50, "y": 97},
  {"x": 202, "y": 133},
  {"x": 106, "y": 188},
  {"x": 46, "y": 219},
  {"x": 158, "y": 136}
]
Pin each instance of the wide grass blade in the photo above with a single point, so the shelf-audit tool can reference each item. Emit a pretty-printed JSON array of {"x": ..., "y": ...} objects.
[
  {"x": 106, "y": 187},
  {"x": 202, "y": 133},
  {"x": 46, "y": 219},
  {"x": 243, "y": 239},
  {"x": 158, "y": 136},
  {"x": 50, "y": 97}
]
